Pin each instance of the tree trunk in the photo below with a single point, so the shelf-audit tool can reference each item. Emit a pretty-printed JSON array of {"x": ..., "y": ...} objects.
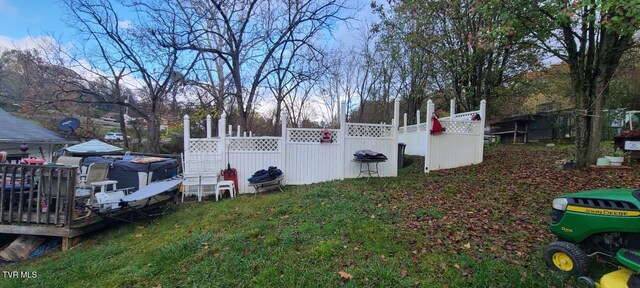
[
  {"x": 154, "y": 134},
  {"x": 275, "y": 130}
]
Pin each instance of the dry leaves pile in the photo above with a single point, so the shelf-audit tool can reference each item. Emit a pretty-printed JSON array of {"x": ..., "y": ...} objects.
[{"x": 498, "y": 208}]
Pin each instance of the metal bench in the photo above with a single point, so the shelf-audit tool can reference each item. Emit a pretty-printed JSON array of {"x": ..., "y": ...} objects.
[{"x": 268, "y": 185}]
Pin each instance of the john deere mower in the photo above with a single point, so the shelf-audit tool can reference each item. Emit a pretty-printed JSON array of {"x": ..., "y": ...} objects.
[{"x": 600, "y": 224}]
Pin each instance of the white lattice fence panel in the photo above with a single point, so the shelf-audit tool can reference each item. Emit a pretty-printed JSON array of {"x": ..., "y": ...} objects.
[
  {"x": 422, "y": 127},
  {"x": 203, "y": 146},
  {"x": 204, "y": 162},
  {"x": 461, "y": 127},
  {"x": 253, "y": 144},
  {"x": 369, "y": 131},
  {"x": 411, "y": 129},
  {"x": 465, "y": 116},
  {"x": 309, "y": 135}
]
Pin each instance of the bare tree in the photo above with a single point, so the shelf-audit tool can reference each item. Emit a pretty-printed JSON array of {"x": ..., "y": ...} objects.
[
  {"x": 297, "y": 103},
  {"x": 252, "y": 32},
  {"x": 293, "y": 66},
  {"x": 126, "y": 50}
]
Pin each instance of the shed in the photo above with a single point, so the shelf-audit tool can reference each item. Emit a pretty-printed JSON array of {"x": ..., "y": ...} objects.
[
  {"x": 16, "y": 131},
  {"x": 512, "y": 130}
]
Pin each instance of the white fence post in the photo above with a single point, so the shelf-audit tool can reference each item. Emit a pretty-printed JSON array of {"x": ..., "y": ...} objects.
[
  {"x": 343, "y": 139},
  {"x": 208, "y": 126},
  {"x": 405, "y": 123},
  {"x": 186, "y": 129},
  {"x": 222, "y": 134},
  {"x": 238, "y": 131},
  {"x": 230, "y": 129},
  {"x": 396, "y": 113},
  {"x": 452, "y": 108},
  {"x": 483, "y": 114},
  {"x": 417, "y": 120},
  {"x": 427, "y": 151},
  {"x": 283, "y": 143}
]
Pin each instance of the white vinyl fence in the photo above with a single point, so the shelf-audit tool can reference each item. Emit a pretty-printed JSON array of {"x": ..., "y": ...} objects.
[
  {"x": 459, "y": 145},
  {"x": 298, "y": 152}
]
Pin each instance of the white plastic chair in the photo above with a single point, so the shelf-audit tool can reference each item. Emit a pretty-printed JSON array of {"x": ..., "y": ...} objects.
[
  {"x": 190, "y": 180},
  {"x": 226, "y": 185},
  {"x": 208, "y": 179},
  {"x": 202, "y": 171}
]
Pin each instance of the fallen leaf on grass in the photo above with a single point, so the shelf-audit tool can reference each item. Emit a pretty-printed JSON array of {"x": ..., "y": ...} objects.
[
  {"x": 443, "y": 266},
  {"x": 345, "y": 275},
  {"x": 466, "y": 246},
  {"x": 140, "y": 227},
  {"x": 403, "y": 273},
  {"x": 457, "y": 266},
  {"x": 138, "y": 235}
]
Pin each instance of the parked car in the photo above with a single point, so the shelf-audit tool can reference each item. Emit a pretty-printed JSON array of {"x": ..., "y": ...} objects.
[{"x": 114, "y": 136}]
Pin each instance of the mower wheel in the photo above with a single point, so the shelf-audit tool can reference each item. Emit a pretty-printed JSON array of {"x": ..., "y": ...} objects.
[{"x": 566, "y": 257}]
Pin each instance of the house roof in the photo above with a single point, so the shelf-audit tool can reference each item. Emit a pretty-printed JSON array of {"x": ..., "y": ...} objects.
[
  {"x": 93, "y": 147},
  {"x": 18, "y": 130}
]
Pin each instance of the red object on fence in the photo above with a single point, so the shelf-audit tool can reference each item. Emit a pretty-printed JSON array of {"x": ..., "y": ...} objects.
[
  {"x": 232, "y": 175},
  {"x": 326, "y": 136},
  {"x": 437, "y": 127}
]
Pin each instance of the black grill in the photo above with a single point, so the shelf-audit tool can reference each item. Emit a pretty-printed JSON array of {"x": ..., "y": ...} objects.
[{"x": 602, "y": 203}]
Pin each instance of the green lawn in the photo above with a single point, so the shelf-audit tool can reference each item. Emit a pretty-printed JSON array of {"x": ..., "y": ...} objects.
[{"x": 477, "y": 226}]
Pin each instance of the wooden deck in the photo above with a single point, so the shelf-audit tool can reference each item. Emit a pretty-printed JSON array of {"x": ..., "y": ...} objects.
[{"x": 40, "y": 200}]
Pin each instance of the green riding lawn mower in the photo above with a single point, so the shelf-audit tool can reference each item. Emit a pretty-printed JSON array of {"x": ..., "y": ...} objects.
[{"x": 598, "y": 224}]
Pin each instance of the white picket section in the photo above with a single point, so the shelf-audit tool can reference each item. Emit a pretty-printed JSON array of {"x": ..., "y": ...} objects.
[
  {"x": 459, "y": 145},
  {"x": 308, "y": 160},
  {"x": 250, "y": 154},
  {"x": 299, "y": 152},
  {"x": 378, "y": 138},
  {"x": 451, "y": 150},
  {"x": 415, "y": 137},
  {"x": 388, "y": 147}
]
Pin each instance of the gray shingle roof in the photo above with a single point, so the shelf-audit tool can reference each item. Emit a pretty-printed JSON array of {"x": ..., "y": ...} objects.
[{"x": 17, "y": 130}]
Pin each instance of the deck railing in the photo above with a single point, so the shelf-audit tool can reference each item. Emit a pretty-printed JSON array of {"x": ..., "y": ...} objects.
[{"x": 37, "y": 194}]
